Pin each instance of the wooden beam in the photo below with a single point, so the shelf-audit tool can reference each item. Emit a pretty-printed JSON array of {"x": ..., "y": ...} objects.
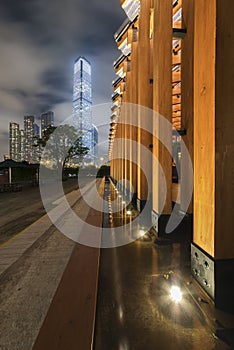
[
  {"x": 176, "y": 99},
  {"x": 176, "y": 108},
  {"x": 162, "y": 99},
  {"x": 176, "y": 91},
  {"x": 176, "y": 119},
  {"x": 177, "y": 24},
  {"x": 187, "y": 98},
  {"x": 175, "y": 196},
  {"x": 176, "y": 59},
  {"x": 177, "y": 48},
  {"x": 177, "y": 7},
  {"x": 145, "y": 99},
  {"x": 176, "y": 77}
]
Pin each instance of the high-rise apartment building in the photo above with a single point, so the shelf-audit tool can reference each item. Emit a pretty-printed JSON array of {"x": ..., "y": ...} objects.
[
  {"x": 14, "y": 141},
  {"x": 22, "y": 143},
  {"x": 29, "y": 138},
  {"x": 36, "y": 130},
  {"x": 47, "y": 119},
  {"x": 82, "y": 101},
  {"x": 36, "y": 150}
]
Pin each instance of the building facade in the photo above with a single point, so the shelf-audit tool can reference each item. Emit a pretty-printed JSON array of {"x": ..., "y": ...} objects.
[
  {"x": 47, "y": 119},
  {"x": 36, "y": 130},
  {"x": 165, "y": 67},
  {"x": 22, "y": 144},
  {"x": 82, "y": 102},
  {"x": 22, "y": 141},
  {"x": 15, "y": 142},
  {"x": 29, "y": 139}
]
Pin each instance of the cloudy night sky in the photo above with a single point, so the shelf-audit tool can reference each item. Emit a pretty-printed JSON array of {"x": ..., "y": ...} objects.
[{"x": 39, "y": 40}]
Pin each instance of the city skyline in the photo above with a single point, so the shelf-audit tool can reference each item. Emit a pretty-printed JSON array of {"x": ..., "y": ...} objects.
[
  {"x": 40, "y": 42},
  {"x": 22, "y": 139}
]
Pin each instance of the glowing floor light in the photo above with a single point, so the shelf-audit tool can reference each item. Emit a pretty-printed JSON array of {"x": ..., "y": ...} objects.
[{"x": 176, "y": 294}]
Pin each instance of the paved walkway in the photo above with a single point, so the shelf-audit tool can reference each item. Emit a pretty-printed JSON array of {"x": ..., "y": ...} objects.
[
  {"x": 11, "y": 250},
  {"x": 70, "y": 320}
]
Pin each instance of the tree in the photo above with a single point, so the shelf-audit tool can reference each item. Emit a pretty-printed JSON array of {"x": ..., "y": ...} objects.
[
  {"x": 61, "y": 144},
  {"x": 45, "y": 136},
  {"x": 77, "y": 150}
]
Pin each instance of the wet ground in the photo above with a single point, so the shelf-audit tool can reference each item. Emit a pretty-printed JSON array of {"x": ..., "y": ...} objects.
[{"x": 134, "y": 308}]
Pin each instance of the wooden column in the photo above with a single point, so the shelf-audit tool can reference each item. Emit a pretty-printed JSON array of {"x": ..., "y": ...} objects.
[
  {"x": 162, "y": 104},
  {"x": 127, "y": 131},
  {"x": 121, "y": 150},
  {"x": 145, "y": 94},
  {"x": 134, "y": 101},
  {"x": 117, "y": 153},
  {"x": 213, "y": 248},
  {"x": 187, "y": 95}
]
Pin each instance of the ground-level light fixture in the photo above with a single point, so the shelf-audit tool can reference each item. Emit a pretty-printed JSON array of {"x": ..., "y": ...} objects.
[{"x": 176, "y": 294}]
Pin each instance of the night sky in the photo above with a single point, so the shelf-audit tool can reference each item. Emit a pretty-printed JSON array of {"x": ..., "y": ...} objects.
[{"x": 39, "y": 40}]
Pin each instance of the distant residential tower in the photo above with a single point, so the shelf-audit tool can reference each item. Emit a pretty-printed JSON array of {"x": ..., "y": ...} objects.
[
  {"x": 29, "y": 138},
  {"x": 14, "y": 141},
  {"x": 47, "y": 119}
]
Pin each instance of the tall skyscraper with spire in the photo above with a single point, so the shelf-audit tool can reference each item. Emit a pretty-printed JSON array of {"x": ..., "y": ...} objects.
[{"x": 82, "y": 101}]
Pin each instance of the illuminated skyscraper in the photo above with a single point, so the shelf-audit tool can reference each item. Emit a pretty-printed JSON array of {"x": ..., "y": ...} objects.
[
  {"x": 47, "y": 119},
  {"x": 22, "y": 144},
  {"x": 82, "y": 101},
  {"x": 29, "y": 138},
  {"x": 15, "y": 142}
]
